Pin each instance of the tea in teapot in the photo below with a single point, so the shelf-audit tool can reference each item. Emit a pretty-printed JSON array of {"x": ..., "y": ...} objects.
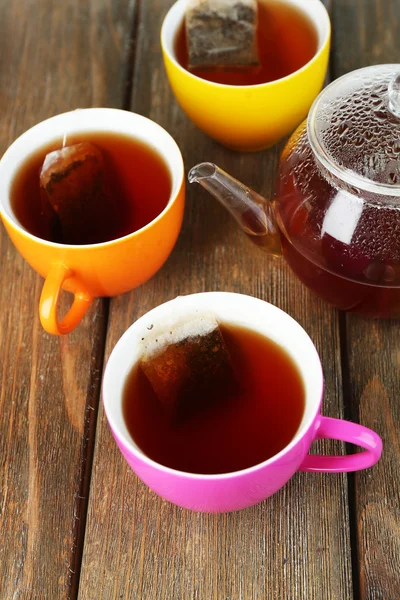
[{"x": 336, "y": 212}]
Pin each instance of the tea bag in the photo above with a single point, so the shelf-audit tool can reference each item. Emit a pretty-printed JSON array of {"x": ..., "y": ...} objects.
[
  {"x": 72, "y": 182},
  {"x": 184, "y": 361},
  {"x": 222, "y": 33}
]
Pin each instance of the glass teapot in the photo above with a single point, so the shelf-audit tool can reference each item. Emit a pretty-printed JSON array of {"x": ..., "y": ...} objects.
[{"x": 335, "y": 216}]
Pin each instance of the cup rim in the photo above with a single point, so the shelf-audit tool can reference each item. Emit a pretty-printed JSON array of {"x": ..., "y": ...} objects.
[
  {"x": 177, "y": 180},
  {"x": 108, "y": 388},
  {"x": 165, "y": 43}
]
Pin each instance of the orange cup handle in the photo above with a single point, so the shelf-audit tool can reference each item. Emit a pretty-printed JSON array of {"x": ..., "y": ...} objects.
[{"x": 49, "y": 302}]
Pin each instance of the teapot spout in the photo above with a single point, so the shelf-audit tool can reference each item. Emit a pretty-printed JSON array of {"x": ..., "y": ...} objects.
[{"x": 253, "y": 213}]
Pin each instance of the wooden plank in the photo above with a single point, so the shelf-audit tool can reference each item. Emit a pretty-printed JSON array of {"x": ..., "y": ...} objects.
[
  {"x": 58, "y": 57},
  {"x": 373, "y": 400},
  {"x": 295, "y": 545},
  {"x": 373, "y": 349}
]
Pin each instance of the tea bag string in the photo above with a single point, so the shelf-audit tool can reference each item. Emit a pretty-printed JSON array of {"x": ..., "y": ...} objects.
[{"x": 66, "y": 133}]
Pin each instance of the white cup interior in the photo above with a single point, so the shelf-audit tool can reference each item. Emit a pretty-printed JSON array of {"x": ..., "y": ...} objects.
[
  {"x": 229, "y": 308},
  {"x": 85, "y": 121},
  {"x": 314, "y": 9}
]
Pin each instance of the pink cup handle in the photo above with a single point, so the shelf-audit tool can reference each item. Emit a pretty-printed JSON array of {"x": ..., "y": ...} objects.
[{"x": 336, "y": 429}]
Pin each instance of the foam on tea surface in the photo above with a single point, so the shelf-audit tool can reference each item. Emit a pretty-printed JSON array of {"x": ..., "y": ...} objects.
[{"x": 184, "y": 359}]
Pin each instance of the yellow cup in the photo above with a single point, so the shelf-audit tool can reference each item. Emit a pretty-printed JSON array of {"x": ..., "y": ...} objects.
[
  {"x": 248, "y": 118},
  {"x": 105, "y": 269}
]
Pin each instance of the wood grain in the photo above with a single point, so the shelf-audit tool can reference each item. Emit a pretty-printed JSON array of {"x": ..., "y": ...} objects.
[
  {"x": 374, "y": 383},
  {"x": 55, "y": 56},
  {"x": 373, "y": 347},
  {"x": 296, "y": 544}
]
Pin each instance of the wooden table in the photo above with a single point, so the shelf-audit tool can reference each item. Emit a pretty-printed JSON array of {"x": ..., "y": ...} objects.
[{"x": 75, "y": 521}]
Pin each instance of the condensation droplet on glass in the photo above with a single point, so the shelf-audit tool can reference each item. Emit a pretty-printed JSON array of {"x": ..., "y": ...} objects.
[
  {"x": 393, "y": 178},
  {"x": 381, "y": 115},
  {"x": 394, "y": 96},
  {"x": 359, "y": 141},
  {"x": 343, "y": 129},
  {"x": 355, "y": 191},
  {"x": 390, "y": 152}
]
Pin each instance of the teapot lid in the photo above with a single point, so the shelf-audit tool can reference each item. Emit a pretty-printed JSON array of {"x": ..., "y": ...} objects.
[{"x": 354, "y": 129}]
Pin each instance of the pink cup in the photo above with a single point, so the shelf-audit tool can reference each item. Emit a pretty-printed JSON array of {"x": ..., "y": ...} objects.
[{"x": 234, "y": 491}]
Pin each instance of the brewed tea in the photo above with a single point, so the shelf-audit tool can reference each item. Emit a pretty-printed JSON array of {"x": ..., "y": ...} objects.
[
  {"x": 136, "y": 178},
  {"x": 287, "y": 40},
  {"x": 360, "y": 274},
  {"x": 237, "y": 430}
]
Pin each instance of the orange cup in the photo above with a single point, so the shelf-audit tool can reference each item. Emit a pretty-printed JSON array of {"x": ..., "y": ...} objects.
[{"x": 105, "y": 269}]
